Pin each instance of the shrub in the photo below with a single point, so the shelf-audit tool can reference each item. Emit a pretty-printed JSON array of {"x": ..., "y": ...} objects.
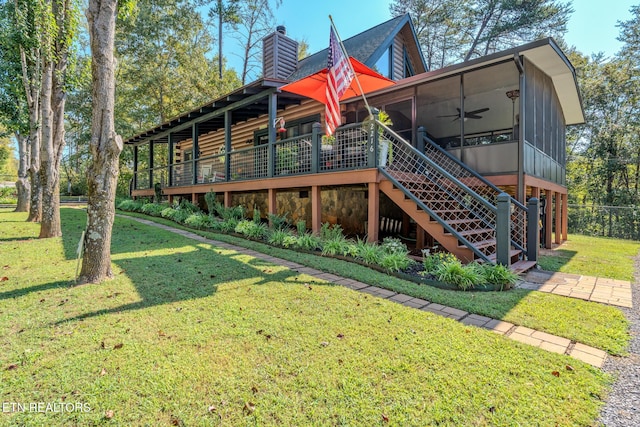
[
  {"x": 278, "y": 222},
  {"x": 235, "y": 212},
  {"x": 198, "y": 220},
  {"x": 307, "y": 241},
  {"x": 499, "y": 275},
  {"x": 153, "y": 209},
  {"x": 463, "y": 277},
  {"x": 282, "y": 238},
  {"x": 251, "y": 229},
  {"x": 210, "y": 200},
  {"x": 395, "y": 261},
  {"x": 301, "y": 226},
  {"x": 335, "y": 246},
  {"x": 228, "y": 225},
  {"x": 187, "y": 206},
  {"x": 129, "y": 205},
  {"x": 331, "y": 232},
  {"x": 392, "y": 245},
  {"x": 433, "y": 261},
  {"x": 368, "y": 253}
]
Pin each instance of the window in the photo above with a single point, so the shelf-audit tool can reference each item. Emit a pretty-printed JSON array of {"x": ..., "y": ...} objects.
[
  {"x": 383, "y": 65},
  {"x": 294, "y": 128}
]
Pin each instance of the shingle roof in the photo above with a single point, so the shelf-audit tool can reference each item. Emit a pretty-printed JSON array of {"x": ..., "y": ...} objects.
[{"x": 366, "y": 47}]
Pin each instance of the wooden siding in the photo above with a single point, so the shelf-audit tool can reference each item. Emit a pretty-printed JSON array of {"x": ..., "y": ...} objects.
[
  {"x": 242, "y": 134},
  {"x": 279, "y": 56},
  {"x": 398, "y": 58}
]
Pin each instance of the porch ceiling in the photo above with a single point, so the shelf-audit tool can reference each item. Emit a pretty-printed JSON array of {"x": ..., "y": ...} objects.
[{"x": 245, "y": 103}]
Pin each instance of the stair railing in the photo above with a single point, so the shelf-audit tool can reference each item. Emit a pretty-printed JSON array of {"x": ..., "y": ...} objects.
[
  {"x": 480, "y": 185},
  {"x": 417, "y": 175}
]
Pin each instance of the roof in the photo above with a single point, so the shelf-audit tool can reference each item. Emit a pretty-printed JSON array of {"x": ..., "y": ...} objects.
[
  {"x": 544, "y": 54},
  {"x": 366, "y": 47},
  {"x": 247, "y": 102}
]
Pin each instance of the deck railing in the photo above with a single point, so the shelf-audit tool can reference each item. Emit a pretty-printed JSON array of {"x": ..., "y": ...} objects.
[{"x": 298, "y": 155}]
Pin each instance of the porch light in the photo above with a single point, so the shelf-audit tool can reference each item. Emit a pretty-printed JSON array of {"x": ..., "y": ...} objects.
[{"x": 279, "y": 121}]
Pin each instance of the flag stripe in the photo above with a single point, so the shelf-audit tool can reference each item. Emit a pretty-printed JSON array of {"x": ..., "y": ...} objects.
[{"x": 339, "y": 78}]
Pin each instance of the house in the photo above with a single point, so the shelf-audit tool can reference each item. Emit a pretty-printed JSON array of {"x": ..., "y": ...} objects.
[{"x": 461, "y": 136}]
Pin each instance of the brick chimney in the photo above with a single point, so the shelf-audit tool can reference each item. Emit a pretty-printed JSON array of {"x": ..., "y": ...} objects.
[{"x": 279, "y": 55}]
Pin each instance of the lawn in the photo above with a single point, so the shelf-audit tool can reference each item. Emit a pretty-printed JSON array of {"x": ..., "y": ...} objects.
[
  {"x": 570, "y": 318},
  {"x": 593, "y": 256},
  {"x": 190, "y": 334}
]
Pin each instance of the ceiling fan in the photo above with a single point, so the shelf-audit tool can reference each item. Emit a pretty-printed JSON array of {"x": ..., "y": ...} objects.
[{"x": 468, "y": 114}]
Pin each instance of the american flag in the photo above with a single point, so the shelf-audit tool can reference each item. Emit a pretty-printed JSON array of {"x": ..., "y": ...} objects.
[{"x": 339, "y": 77}]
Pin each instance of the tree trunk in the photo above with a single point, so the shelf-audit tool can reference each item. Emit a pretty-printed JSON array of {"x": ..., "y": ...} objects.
[
  {"x": 22, "y": 184},
  {"x": 105, "y": 144},
  {"x": 49, "y": 173},
  {"x": 35, "y": 208}
]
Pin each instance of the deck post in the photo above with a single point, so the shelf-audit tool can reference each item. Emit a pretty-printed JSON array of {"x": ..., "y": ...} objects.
[
  {"x": 372, "y": 149},
  {"x": 422, "y": 133},
  {"x": 171, "y": 160},
  {"x": 135, "y": 167},
  {"x": 503, "y": 229},
  {"x": 533, "y": 232},
  {"x": 151, "y": 165},
  {"x": 565, "y": 216},
  {"x": 548, "y": 210},
  {"x": 316, "y": 146},
  {"x": 227, "y": 199},
  {"x": 227, "y": 145},
  {"x": 373, "y": 212},
  {"x": 194, "y": 154},
  {"x": 316, "y": 209},
  {"x": 559, "y": 209},
  {"x": 272, "y": 206}
]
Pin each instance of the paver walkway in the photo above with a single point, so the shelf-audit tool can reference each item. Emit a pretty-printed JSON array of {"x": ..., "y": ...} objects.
[
  {"x": 532, "y": 337},
  {"x": 597, "y": 289}
]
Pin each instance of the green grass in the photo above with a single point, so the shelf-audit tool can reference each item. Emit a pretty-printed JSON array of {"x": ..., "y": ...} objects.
[
  {"x": 190, "y": 334},
  {"x": 593, "y": 256},
  {"x": 575, "y": 319}
]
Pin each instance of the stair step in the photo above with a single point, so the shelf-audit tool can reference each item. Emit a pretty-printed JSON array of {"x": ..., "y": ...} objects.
[
  {"x": 475, "y": 231},
  {"x": 512, "y": 253},
  {"x": 522, "y": 266},
  {"x": 485, "y": 244}
]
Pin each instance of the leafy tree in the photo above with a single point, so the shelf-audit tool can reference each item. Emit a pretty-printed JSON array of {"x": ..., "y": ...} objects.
[
  {"x": 14, "y": 115},
  {"x": 106, "y": 144},
  {"x": 256, "y": 21},
  {"x": 454, "y": 30}
]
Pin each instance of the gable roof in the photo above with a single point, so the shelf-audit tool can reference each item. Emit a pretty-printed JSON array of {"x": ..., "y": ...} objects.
[{"x": 366, "y": 47}]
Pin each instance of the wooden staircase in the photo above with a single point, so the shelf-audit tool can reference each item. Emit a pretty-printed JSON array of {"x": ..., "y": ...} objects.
[{"x": 454, "y": 214}]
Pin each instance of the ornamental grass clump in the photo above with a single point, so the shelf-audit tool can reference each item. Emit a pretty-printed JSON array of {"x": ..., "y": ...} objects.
[
  {"x": 307, "y": 242},
  {"x": 198, "y": 220},
  {"x": 499, "y": 275},
  {"x": 464, "y": 277},
  {"x": 282, "y": 238},
  {"x": 153, "y": 209}
]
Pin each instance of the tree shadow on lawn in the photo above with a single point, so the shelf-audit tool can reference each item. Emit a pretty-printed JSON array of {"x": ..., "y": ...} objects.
[
  {"x": 555, "y": 259},
  {"x": 189, "y": 271}
]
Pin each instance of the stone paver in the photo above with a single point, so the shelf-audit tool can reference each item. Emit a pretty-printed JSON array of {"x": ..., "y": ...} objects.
[
  {"x": 597, "y": 289},
  {"x": 607, "y": 290}
]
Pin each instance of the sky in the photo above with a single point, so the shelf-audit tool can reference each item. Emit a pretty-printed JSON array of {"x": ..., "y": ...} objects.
[{"x": 592, "y": 27}]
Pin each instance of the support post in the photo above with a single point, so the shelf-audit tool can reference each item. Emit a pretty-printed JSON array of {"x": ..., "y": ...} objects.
[
  {"x": 533, "y": 232},
  {"x": 503, "y": 230},
  {"x": 227, "y": 145},
  {"x": 227, "y": 199},
  {"x": 316, "y": 209},
  {"x": 548, "y": 210},
  {"x": 195, "y": 154},
  {"x": 316, "y": 146},
  {"x": 194, "y": 199},
  {"x": 565, "y": 217},
  {"x": 271, "y": 200},
  {"x": 372, "y": 146},
  {"x": 373, "y": 212},
  {"x": 135, "y": 167},
  {"x": 422, "y": 133},
  {"x": 171, "y": 149},
  {"x": 558, "y": 227},
  {"x": 271, "y": 130},
  {"x": 151, "y": 165}
]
